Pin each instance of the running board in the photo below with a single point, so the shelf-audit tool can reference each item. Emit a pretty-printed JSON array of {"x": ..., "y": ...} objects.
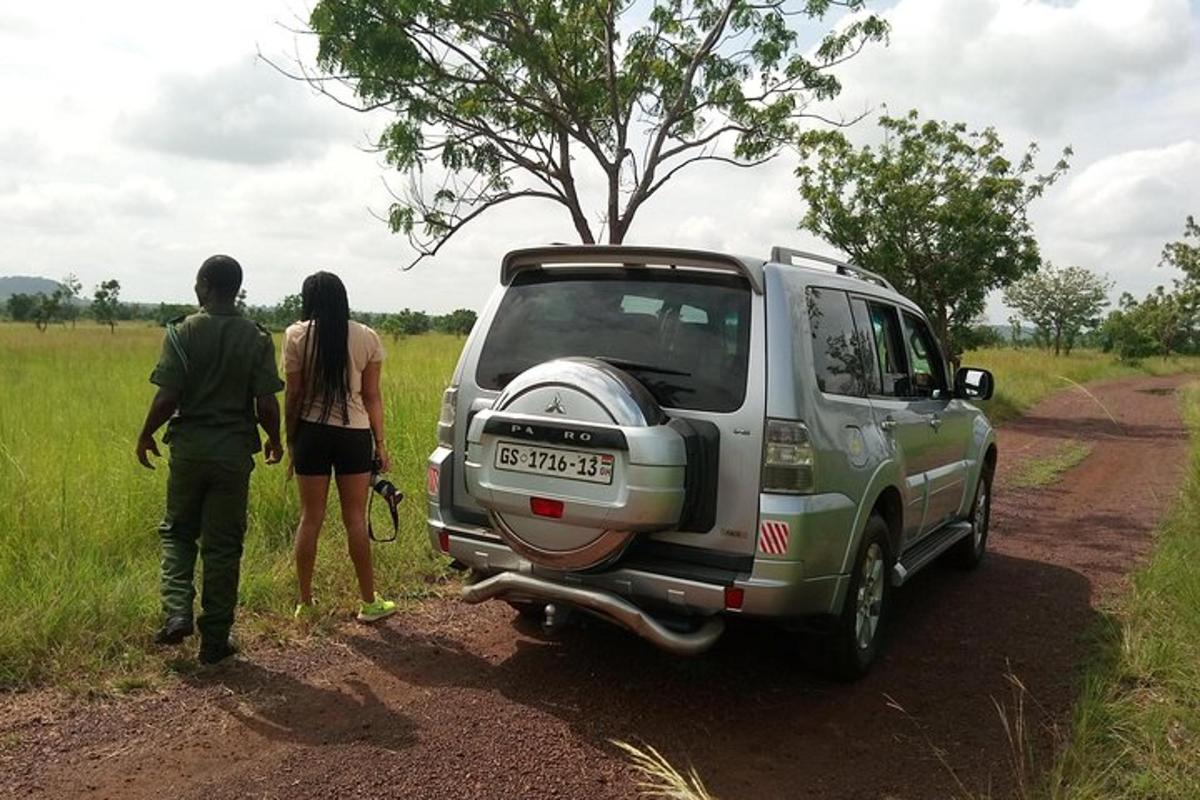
[{"x": 927, "y": 549}]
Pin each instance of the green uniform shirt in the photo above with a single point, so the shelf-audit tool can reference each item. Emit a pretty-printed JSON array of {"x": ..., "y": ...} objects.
[{"x": 219, "y": 362}]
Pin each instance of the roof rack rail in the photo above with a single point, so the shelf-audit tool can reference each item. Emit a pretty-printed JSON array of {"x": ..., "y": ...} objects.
[{"x": 786, "y": 255}]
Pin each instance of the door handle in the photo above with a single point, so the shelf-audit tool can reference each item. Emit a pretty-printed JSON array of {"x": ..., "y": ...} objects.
[
  {"x": 935, "y": 422},
  {"x": 888, "y": 423}
]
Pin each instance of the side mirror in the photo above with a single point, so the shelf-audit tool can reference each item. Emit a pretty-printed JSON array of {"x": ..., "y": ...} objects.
[{"x": 973, "y": 384}]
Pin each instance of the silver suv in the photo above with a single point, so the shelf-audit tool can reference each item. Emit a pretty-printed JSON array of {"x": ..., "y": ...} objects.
[{"x": 669, "y": 438}]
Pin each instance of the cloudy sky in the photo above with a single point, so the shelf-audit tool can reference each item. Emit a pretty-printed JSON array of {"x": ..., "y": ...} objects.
[{"x": 140, "y": 137}]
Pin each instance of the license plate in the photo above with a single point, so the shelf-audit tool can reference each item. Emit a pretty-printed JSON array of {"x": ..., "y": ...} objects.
[{"x": 576, "y": 465}]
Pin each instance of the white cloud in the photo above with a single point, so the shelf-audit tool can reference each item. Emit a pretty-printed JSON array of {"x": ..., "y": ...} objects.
[
  {"x": 1133, "y": 194},
  {"x": 1031, "y": 60},
  {"x": 243, "y": 113},
  {"x": 1115, "y": 215},
  {"x": 232, "y": 157}
]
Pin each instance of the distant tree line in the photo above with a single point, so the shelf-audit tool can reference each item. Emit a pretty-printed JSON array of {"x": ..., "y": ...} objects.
[
  {"x": 1064, "y": 309},
  {"x": 1166, "y": 321},
  {"x": 65, "y": 304}
]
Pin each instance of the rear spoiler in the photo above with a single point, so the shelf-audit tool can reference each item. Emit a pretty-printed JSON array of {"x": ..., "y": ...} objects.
[{"x": 630, "y": 256}]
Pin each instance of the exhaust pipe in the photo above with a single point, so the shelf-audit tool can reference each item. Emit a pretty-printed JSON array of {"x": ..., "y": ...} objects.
[{"x": 607, "y": 605}]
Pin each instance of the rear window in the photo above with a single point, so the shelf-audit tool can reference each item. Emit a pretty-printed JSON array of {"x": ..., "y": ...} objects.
[{"x": 685, "y": 337}]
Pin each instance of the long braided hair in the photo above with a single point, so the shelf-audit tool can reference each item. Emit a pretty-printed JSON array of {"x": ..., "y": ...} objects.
[{"x": 327, "y": 311}]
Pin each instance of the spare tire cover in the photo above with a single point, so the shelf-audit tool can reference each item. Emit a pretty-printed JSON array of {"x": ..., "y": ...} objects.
[{"x": 572, "y": 460}]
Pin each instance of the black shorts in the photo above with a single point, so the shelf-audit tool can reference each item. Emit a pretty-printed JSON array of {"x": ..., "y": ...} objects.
[{"x": 319, "y": 448}]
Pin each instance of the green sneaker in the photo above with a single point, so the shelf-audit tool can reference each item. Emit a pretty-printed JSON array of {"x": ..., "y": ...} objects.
[{"x": 376, "y": 610}]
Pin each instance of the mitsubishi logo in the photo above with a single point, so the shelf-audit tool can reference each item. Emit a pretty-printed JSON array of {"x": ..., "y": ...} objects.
[{"x": 556, "y": 406}]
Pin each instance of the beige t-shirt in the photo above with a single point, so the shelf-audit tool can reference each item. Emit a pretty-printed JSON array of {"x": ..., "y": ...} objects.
[{"x": 365, "y": 348}]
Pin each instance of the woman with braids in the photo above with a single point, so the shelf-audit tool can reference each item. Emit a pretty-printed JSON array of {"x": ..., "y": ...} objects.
[{"x": 334, "y": 417}]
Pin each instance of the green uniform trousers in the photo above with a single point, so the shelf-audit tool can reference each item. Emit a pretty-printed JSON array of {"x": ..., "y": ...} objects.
[{"x": 206, "y": 515}]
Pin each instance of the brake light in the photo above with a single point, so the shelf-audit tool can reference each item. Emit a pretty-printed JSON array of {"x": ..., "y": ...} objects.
[
  {"x": 444, "y": 542},
  {"x": 432, "y": 481},
  {"x": 445, "y": 425},
  {"x": 734, "y": 597},
  {"x": 787, "y": 458},
  {"x": 542, "y": 507}
]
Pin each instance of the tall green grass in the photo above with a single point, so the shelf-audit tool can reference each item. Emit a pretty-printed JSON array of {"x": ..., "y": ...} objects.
[
  {"x": 1136, "y": 732},
  {"x": 78, "y": 542}
]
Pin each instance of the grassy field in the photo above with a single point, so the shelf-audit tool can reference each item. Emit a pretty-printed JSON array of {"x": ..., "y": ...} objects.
[
  {"x": 78, "y": 545},
  {"x": 1026, "y": 375},
  {"x": 1137, "y": 725}
]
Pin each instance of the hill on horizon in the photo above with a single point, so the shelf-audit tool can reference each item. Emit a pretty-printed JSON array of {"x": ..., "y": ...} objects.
[{"x": 25, "y": 284}]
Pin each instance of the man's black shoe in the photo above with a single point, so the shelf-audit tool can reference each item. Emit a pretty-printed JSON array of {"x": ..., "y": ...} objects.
[
  {"x": 174, "y": 631},
  {"x": 216, "y": 652}
]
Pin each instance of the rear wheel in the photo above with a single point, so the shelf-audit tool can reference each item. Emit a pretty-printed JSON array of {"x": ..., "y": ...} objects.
[
  {"x": 857, "y": 640},
  {"x": 969, "y": 552}
]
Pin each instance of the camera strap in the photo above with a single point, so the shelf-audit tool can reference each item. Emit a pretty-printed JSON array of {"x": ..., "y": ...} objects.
[{"x": 371, "y": 526}]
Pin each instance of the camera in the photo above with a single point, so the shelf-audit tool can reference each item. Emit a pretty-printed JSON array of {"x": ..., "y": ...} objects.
[
  {"x": 388, "y": 492},
  {"x": 386, "y": 489}
]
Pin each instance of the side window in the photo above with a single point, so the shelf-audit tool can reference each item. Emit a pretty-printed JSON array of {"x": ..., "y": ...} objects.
[
  {"x": 864, "y": 339},
  {"x": 837, "y": 352},
  {"x": 928, "y": 369},
  {"x": 889, "y": 344}
]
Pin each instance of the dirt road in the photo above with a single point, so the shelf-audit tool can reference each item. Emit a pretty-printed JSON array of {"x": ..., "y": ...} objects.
[{"x": 456, "y": 701}]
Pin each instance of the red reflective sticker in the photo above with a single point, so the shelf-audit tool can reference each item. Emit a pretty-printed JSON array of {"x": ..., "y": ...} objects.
[{"x": 773, "y": 537}]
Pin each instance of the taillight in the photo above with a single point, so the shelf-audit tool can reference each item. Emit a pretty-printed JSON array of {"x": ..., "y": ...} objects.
[
  {"x": 735, "y": 596},
  {"x": 445, "y": 425},
  {"x": 543, "y": 507},
  {"x": 787, "y": 458},
  {"x": 432, "y": 481},
  {"x": 444, "y": 542}
]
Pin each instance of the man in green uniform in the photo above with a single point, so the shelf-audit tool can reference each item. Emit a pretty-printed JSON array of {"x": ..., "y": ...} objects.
[{"x": 216, "y": 381}]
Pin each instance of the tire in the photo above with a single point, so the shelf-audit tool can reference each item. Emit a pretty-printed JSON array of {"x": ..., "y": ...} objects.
[
  {"x": 858, "y": 637},
  {"x": 969, "y": 552}
]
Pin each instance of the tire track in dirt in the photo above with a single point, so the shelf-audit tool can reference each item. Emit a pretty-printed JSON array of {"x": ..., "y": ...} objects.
[{"x": 455, "y": 701}]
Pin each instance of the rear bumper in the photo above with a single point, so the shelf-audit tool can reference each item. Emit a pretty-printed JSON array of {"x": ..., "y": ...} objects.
[
  {"x": 636, "y": 598},
  {"x": 773, "y": 589}
]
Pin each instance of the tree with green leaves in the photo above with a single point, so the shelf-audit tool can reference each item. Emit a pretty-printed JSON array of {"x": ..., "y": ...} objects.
[
  {"x": 71, "y": 287},
  {"x": 938, "y": 210},
  {"x": 1061, "y": 302},
  {"x": 106, "y": 304},
  {"x": 1163, "y": 322},
  {"x": 1183, "y": 255},
  {"x": 48, "y": 309},
  {"x": 406, "y": 323},
  {"x": 21, "y": 307},
  {"x": 502, "y": 100},
  {"x": 459, "y": 322}
]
